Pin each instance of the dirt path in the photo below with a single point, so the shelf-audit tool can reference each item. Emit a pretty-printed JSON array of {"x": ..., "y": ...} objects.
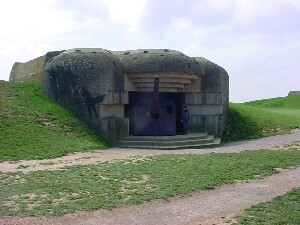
[
  {"x": 205, "y": 207},
  {"x": 119, "y": 153}
]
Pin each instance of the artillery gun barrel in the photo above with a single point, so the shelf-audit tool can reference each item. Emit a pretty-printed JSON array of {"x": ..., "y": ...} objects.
[{"x": 155, "y": 99}]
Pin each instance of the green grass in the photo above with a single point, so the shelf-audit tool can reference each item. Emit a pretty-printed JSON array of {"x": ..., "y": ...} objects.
[
  {"x": 108, "y": 185},
  {"x": 34, "y": 127},
  {"x": 281, "y": 210},
  {"x": 262, "y": 118},
  {"x": 289, "y": 102}
]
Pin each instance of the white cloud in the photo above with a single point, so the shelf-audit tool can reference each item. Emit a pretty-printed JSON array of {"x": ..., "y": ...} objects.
[
  {"x": 245, "y": 11},
  {"x": 181, "y": 23},
  {"x": 27, "y": 26},
  {"x": 254, "y": 10},
  {"x": 130, "y": 11},
  {"x": 32, "y": 19},
  {"x": 28, "y": 29}
]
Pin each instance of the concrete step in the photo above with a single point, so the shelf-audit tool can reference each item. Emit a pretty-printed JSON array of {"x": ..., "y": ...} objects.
[
  {"x": 164, "y": 142},
  {"x": 189, "y": 136}
]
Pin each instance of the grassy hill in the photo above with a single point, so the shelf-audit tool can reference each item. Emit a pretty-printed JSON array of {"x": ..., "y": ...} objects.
[
  {"x": 289, "y": 102},
  {"x": 263, "y": 118},
  {"x": 34, "y": 127}
]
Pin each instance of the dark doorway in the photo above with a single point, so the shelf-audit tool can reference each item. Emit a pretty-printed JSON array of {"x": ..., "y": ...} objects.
[{"x": 138, "y": 97}]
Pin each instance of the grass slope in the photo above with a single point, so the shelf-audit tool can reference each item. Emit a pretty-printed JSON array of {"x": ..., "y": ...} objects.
[
  {"x": 289, "y": 102},
  {"x": 134, "y": 181},
  {"x": 34, "y": 127},
  {"x": 262, "y": 118}
]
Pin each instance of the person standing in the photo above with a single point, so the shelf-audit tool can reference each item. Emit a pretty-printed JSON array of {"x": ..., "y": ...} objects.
[{"x": 185, "y": 120}]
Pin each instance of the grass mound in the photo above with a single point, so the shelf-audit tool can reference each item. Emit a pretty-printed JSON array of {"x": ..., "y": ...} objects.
[
  {"x": 289, "y": 102},
  {"x": 34, "y": 127},
  {"x": 262, "y": 118}
]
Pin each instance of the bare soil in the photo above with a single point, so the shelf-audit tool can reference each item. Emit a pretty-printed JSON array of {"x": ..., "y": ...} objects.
[{"x": 217, "y": 206}]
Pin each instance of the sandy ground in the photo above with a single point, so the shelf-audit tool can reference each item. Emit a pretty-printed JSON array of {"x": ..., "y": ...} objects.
[
  {"x": 217, "y": 206},
  {"x": 100, "y": 156}
]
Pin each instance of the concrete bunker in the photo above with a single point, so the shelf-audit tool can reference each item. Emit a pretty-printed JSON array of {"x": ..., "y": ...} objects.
[{"x": 135, "y": 92}]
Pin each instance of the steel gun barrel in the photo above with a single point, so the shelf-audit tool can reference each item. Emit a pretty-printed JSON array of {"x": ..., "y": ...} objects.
[{"x": 155, "y": 99}]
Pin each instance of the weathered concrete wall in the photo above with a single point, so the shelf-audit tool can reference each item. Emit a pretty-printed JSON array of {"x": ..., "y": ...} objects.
[
  {"x": 213, "y": 125},
  {"x": 90, "y": 81},
  {"x": 32, "y": 70},
  {"x": 206, "y": 110},
  {"x": 78, "y": 72},
  {"x": 169, "y": 81},
  {"x": 29, "y": 71},
  {"x": 107, "y": 111},
  {"x": 207, "y": 118},
  {"x": 158, "y": 60},
  {"x": 203, "y": 98},
  {"x": 114, "y": 128},
  {"x": 216, "y": 80},
  {"x": 294, "y": 93}
]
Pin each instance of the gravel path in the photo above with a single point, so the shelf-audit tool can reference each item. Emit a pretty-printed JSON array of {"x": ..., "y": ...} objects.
[
  {"x": 101, "y": 156},
  {"x": 205, "y": 207}
]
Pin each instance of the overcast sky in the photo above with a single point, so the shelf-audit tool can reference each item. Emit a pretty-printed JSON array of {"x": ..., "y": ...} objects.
[{"x": 256, "y": 41}]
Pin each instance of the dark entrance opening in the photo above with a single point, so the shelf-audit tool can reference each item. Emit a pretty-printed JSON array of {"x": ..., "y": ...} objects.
[{"x": 137, "y": 111}]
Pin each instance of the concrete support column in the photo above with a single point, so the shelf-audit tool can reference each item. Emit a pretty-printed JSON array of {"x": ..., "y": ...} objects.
[
  {"x": 114, "y": 129},
  {"x": 213, "y": 125}
]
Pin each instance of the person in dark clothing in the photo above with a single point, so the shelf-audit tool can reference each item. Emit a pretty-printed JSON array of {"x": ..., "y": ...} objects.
[{"x": 185, "y": 120}]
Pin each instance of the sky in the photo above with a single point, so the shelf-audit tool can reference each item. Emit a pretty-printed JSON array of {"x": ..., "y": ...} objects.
[{"x": 256, "y": 41}]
